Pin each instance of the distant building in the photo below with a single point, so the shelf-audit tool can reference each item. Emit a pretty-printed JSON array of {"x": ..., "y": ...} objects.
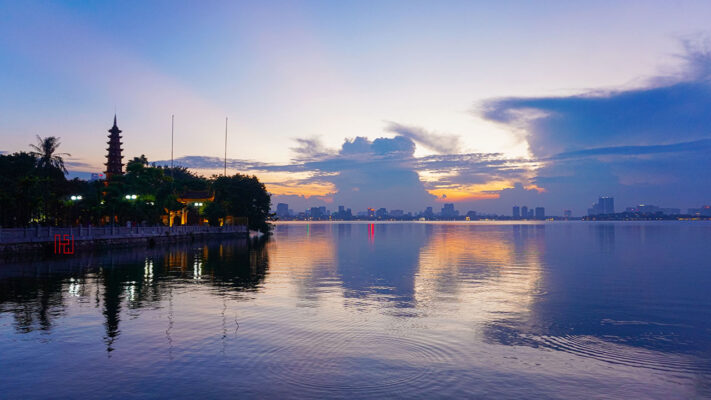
[
  {"x": 604, "y": 205},
  {"x": 382, "y": 213},
  {"x": 516, "y": 212},
  {"x": 317, "y": 212},
  {"x": 524, "y": 212},
  {"x": 371, "y": 212},
  {"x": 448, "y": 211},
  {"x": 397, "y": 213},
  {"x": 540, "y": 213},
  {"x": 429, "y": 213},
  {"x": 530, "y": 214},
  {"x": 704, "y": 211},
  {"x": 343, "y": 213},
  {"x": 471, "y": 214},
  {"x": 282, "y": 210},
  {"x": 567, "y": 213},
  {"x": 96, "y": 176}
]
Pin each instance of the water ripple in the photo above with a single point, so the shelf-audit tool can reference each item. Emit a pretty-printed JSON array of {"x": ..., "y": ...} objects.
[{"x": 614, "y": 353}]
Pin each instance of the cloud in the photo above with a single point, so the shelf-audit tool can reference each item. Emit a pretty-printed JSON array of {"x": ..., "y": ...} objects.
[
  {"x": 643, "y": 144},
  {"x": 649, "y": 143},
  {"x": 367, "y": 173},
  {"x": 444, "y": 144}
]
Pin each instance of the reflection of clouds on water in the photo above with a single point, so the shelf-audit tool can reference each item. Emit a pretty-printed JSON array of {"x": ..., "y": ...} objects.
[{"x": 488, "y": 275}]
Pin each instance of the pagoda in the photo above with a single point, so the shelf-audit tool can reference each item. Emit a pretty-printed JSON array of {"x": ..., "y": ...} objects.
[{"x": 114, "y": 166}]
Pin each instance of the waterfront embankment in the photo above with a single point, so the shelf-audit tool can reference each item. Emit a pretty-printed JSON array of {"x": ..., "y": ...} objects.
[{"x": 52, "y": 239}]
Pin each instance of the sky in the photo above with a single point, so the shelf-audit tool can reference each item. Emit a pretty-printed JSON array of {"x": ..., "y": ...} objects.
[{"x": 396, "y": 104}]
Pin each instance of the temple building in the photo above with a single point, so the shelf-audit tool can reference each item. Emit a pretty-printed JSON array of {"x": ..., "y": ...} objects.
[{"x": 114, "y": 159}]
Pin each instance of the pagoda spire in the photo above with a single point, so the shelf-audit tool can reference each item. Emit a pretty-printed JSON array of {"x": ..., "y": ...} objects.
[{"x": 114, "y": 158}]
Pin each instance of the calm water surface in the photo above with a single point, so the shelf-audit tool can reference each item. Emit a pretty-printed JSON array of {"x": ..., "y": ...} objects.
[{"x": 554, "y": 310}]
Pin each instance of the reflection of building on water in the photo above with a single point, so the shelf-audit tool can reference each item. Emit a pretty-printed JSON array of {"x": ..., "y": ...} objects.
[
  {"x": 605, "y": 234},
  {"x": 37, "y": 293}
]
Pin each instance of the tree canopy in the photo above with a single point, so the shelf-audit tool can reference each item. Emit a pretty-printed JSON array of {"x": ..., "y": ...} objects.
[{"x": 35, "y": 190}]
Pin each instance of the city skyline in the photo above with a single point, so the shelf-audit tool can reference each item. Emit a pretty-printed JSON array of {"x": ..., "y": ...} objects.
[{"x": 326, "y": 115}]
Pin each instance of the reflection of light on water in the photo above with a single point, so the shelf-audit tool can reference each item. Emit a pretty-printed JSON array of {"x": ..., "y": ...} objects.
[
  {"x": 148, "y": 270},
  {"x": 492, "y": 274},
  {"x": 197, "y": 267},
  {"x": 74, "y": 287},
  {"x": 131, "y": 290}
]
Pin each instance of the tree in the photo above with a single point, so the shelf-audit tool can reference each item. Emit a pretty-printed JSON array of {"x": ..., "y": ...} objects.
[
  {"x": 20, "y": 196},
  {"x": 45, "y": 151},
  {"x": 243, "y": 196}
]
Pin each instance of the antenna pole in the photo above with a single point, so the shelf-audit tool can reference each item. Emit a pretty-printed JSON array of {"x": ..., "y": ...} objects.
[
  {"x": 172, "y": 126},
  {"x": 225, "y": 173}
]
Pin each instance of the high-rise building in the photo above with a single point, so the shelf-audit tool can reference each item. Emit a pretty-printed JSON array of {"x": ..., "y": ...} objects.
[
  {"x": 524, "y": 212},
  {"x": 114, "y": 159},
  {"x": 608, "y": 205},
  {"x": 516, "y": 212},
  {"x": 567, "y": 213},
  {"x": 371, "y": 212},
  {"x": 382, "y": 213},
  {"x": 448, "y": 211},
  {"x": 540, "y": 213},
  {"x": 604, "y": 205},
  {"x": 429, "y": 213},
  {"x": 282, "y": 210},
  {"x": 317, "y": 212}
]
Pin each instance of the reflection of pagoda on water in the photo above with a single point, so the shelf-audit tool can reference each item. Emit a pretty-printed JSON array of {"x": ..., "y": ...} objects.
[{"x": 114, "y": 159}]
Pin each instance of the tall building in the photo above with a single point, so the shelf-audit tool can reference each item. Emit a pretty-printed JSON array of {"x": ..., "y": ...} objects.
[
  {"x": 114, "y": 159},
  {"x": 608, "y": 205},
  {"x": 448, "y": 211},
  {"x": 567, "y": 213},
  {"x": 282, "y": 210},
  {"x": 516, "y": 212},
  {"x": 429, "y": 213},
  {"x": 604, "y": 205},
  {"x": 382, "y": 213},
  {"x": 524, "y": 212},
  {"x": 540, "y": 213},
  {"x": 316, "y": 212}
]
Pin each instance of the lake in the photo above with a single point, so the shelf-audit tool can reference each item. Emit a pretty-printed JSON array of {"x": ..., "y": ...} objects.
[{"x": 358, "y": 310}]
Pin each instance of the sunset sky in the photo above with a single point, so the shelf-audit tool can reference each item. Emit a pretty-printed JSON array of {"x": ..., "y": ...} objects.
[{"x": 389, "y": 104}]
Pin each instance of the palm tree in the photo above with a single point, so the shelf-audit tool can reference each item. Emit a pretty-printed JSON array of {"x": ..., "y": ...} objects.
[{"x": 45, "y": 151}]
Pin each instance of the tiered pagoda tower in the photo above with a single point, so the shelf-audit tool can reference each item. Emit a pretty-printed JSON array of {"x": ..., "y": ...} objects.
[{"x": 114, "y": 164}]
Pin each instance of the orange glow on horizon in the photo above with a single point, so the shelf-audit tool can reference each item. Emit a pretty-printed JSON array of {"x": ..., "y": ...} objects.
[{"x": 483, "y": 191}]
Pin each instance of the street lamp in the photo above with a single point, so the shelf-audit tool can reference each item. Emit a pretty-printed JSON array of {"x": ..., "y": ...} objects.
[
  {"x": 130, "y": 197},
  {"x": 75, "y": 197}
]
